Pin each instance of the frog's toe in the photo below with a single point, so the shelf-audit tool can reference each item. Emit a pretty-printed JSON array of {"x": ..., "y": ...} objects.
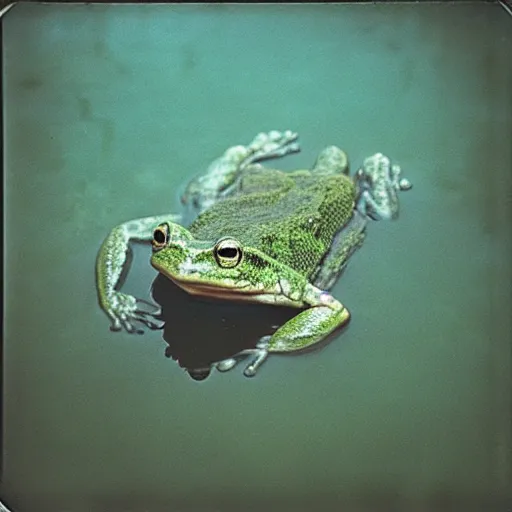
[
  {"x": 115, "y": 324},
  {"x": 273, "y": 144},
  {"x": 404, "y": 184},
  {"x": 126, "y": 312},
  {"x": 260, "y": 353},
  {"x": 129, "y": 324},
  {"x": 272, "y": 150},
  {"x": 147, "y": 312},
  {"x": 130, "y": 328},
  {"x": 273, "y": 136},
  {"x": 261, "y": 356},
  {"x": 399, "y": 182},
  {"x": 150, "y": 323},
  {"x": 282, "y": 137},
  {"x": 123, "y": 322},
  {"x": 250, "y": 371},
  {"x": 226, "y": 364},
  {"x": 116, "y": 320},
  {"x": 276, "y": 139},
  {"x": 154, "y": 309},
  {"x": 149, "y": 319}
]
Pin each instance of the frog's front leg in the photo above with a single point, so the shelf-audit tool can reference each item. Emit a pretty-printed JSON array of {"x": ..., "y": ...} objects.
[
  {"x": 203, "y": 191},
  {"x": 304, "y": 330},
  {"x": 112, "y": 263}
]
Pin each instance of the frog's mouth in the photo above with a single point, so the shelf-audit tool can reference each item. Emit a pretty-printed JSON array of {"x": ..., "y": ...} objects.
[
  {"x": 234, "y": 293},
  {"x": 196, "y": 288},
  {"x": 240, "y": 291}
]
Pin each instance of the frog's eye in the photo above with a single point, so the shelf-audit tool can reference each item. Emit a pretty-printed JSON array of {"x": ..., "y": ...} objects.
[
  {"x": 228, "y": 253},
  {"x": 160, "y": 236}
]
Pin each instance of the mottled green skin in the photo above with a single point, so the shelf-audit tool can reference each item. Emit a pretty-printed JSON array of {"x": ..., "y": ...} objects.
[{"x": 290, "y": 217}]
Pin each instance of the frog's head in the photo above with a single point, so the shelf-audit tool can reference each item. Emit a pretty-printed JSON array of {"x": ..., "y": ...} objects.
[{"x": 223, "y": 268}]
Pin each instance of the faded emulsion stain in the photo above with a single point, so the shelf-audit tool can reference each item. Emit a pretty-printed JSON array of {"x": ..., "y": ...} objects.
[
  {"x": 101, "y": 51},
  {"x": 393, "y": 41},
  {"x": 31, "y": 83},
  {"x": 492, "y": 150},
  {"x": 189, "y": 58},
  {"x": 46, "y": 153},
  {"x": 481, "y": 195},
  {"x": 408, "y": 74},
  {"x": 84, "y": 109},
  {"x": 105, "y": 125}
]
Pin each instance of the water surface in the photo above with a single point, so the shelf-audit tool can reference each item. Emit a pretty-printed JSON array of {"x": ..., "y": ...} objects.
[{"x": 109, "y": 110}]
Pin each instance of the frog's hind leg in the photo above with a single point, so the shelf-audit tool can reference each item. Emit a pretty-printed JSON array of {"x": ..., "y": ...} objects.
[
  {"x": 345, "y": 244},
  {"x": 303, "y": 331},
  {"x": 223, "y": 173},
  {"x": 331, "y": 160}
]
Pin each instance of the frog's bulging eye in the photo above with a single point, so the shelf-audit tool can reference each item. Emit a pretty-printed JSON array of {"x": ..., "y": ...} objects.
[
  {"x": 160, "y": 236},
  {"x": 228, "y": 253}
]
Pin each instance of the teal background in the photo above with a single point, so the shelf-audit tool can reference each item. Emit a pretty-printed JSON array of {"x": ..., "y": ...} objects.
[{"x": 109, "y": 110}]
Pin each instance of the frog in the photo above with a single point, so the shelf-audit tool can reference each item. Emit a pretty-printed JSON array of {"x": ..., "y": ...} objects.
[
  {"x": 378, "y": 182},
  {"x": 260, "y": 235},
  {"x": 125, "y": 311}
]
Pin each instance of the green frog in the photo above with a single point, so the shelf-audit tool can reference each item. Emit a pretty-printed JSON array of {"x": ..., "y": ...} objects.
[{"x": 261, "y": 235}]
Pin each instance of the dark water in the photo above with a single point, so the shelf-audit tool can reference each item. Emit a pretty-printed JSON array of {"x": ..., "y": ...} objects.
[{"x": 109, "y": 110}]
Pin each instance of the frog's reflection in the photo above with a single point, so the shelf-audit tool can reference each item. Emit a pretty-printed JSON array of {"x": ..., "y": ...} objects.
[{"x": 201, "y": 332}]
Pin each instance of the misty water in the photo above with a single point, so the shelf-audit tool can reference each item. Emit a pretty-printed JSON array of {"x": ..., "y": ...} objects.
[{"x": 109, "y": 111}]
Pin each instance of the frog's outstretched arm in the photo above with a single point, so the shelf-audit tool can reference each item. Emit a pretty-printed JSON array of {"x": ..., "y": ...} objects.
[
  {"x": 112, "y": 263},
  {"x": 311, "y": 326}
]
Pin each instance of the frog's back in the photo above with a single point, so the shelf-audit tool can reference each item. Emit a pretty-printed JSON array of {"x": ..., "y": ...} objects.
[{"x": 292, "y": 217}]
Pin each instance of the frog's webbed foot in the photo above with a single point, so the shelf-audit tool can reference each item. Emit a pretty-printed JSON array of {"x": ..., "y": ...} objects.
[
  {"x": 260, "y": 354},
  {"x": 125, "y": 311},
  {"x": 398, "y": 182},
  {"x": 378, "y": 182},
  {"x": 273, "y": 144},
  {"x": 370, "y": 207}
]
